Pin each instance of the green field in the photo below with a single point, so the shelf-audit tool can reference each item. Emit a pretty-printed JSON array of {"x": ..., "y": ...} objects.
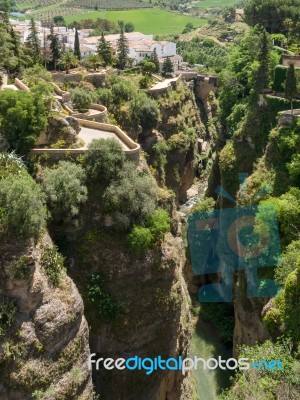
[
  {"x": 216, "y": 3},
  {"x": 149, "y": 21}
]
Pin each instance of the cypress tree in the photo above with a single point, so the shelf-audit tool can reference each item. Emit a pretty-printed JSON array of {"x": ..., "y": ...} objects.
[
  {"x": 123, "y": 50},
  {"x": 263, "y": 73},
  {"x": 167, "y": 67},
  {"x": 155, "y": 60},
  {"x": 77, "y": 45},
  {"x": 104, "y": 50},
  {"x": 290, "y": 85},
  {"x": 55, "y": 47},
  {"x": 33, "y": 41}
]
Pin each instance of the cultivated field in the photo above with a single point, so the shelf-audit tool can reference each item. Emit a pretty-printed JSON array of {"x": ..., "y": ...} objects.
[
  {"x": 216, "y": 3},
  {"x": 152, "y": 20}
]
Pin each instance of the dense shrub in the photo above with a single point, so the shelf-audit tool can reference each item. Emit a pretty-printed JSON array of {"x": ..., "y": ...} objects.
[
  {"x": 64, "y": 188},
  {"x": 144, "y": 111},
  {"x": 131, "y": 197},
  {"x": 159, "y": 223},
  {"x": 10, "y": 163},
  {"x": 140, "y": 239},
  {"x": 105, "y": 305},
  {"x": 22, "y": 117},
  {"x": 81, "y": 99},
  {"x": 104, "y": 159},
  {"x": 205, "y": 205},
  {"x": 24, "y": 205},
  {"x": 288, "y": 261}
]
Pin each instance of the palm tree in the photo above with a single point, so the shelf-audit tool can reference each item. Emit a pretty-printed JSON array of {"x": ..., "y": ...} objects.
[
  {"x": 68, "y": 60},
  {"x": 94, "y": 60}
]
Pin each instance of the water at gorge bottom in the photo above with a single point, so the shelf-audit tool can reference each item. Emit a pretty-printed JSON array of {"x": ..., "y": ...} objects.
[{"x": 206, "y": 344}]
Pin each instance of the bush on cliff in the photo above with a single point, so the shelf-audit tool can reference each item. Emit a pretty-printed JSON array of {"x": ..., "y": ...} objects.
[
  {"x": 130, "y": 198},
  {"x": 65, "y": 189},
  {"x": 23, "y": 204},
  {"x": 104, "y": 159}
]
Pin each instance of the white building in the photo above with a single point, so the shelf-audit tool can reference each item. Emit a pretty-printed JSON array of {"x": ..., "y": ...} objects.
[{"x": 140, "y": 47}]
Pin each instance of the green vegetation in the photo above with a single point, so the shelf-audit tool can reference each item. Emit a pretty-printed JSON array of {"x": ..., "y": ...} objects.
[
  {"x": 220, "y": 315},
  {"x": 81, "y": 99},
  {"x": 107, "y": 308},
  {"x": 148, "y": 21},
  {"x": 130, "y": 198},
  {"x": 20, "y": 267},
  {"x": 65, "y": 189},
  {"x": 23, "y": 116},
  {"x": 263, "y": 383},
  {"x": 104, "y": 160},
  {"x": 143, "y": 238},
  {"x": 53, "y": 264},
  {"x": 68, "y": 59},
  {"x": 205, "y": 52},
  {"x": 22, "y": 202},
  {"x": 272, "y": 14},
  {"x": 7, "y": 315}
]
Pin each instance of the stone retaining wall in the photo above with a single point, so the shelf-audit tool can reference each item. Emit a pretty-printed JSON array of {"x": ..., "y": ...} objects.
[
  {"x": 99, "y": 117},
  {"x": 287, "y": 118},
  {"x": 20, "y": 85},
  {"x": 132, "y": 153},
  {"x": 66, "y": 96}
]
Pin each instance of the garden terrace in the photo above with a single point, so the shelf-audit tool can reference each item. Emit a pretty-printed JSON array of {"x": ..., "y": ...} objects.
[{"x": 90, "y": 131}]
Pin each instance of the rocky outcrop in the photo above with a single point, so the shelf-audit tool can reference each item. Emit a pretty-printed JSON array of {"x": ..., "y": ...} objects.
[
  {"x": 155, "y": 320},
  {"x": 44, "y": 341},
  {"x": 60, "y": 129}
]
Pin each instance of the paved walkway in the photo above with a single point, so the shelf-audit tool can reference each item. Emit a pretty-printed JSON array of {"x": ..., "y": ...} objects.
[
  {"x": 164, "y": 84},
  {"x": 88, "y": 135}
]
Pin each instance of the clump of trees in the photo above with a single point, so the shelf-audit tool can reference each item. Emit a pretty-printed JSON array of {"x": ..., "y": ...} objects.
[
  {"x": 23, "y": 115},
  {"x": 272, "y": 14}
]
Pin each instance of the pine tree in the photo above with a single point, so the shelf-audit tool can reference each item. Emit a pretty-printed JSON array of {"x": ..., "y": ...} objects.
[
  {"x": 55, "y": 47},
  {"x": 167, "y": 67},
  {"x": 290, "y": 85},
  {"x": 155, "y": 60},
  {"x": 77, "y": 45},
  {"x": 104, "y": 50},
  {"x": 33, "y": 41},
  {"x": 123, "y": 50}
]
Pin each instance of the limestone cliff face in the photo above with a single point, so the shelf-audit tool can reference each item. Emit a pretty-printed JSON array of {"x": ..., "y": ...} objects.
[
  {"x": 249, "y": 327},
  {"x": 155, "y": 319},
  {"x": 44, "y": 346}
]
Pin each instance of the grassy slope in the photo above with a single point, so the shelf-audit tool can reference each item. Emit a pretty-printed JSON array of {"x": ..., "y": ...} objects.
[
  {"x": 216, "y": 3},
  {"x": 154, "y": 20}
]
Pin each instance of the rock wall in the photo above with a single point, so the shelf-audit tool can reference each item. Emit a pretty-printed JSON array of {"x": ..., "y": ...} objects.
[
  {"x": 156, "y": 318},
  {"x": 44, "y": 349}
]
